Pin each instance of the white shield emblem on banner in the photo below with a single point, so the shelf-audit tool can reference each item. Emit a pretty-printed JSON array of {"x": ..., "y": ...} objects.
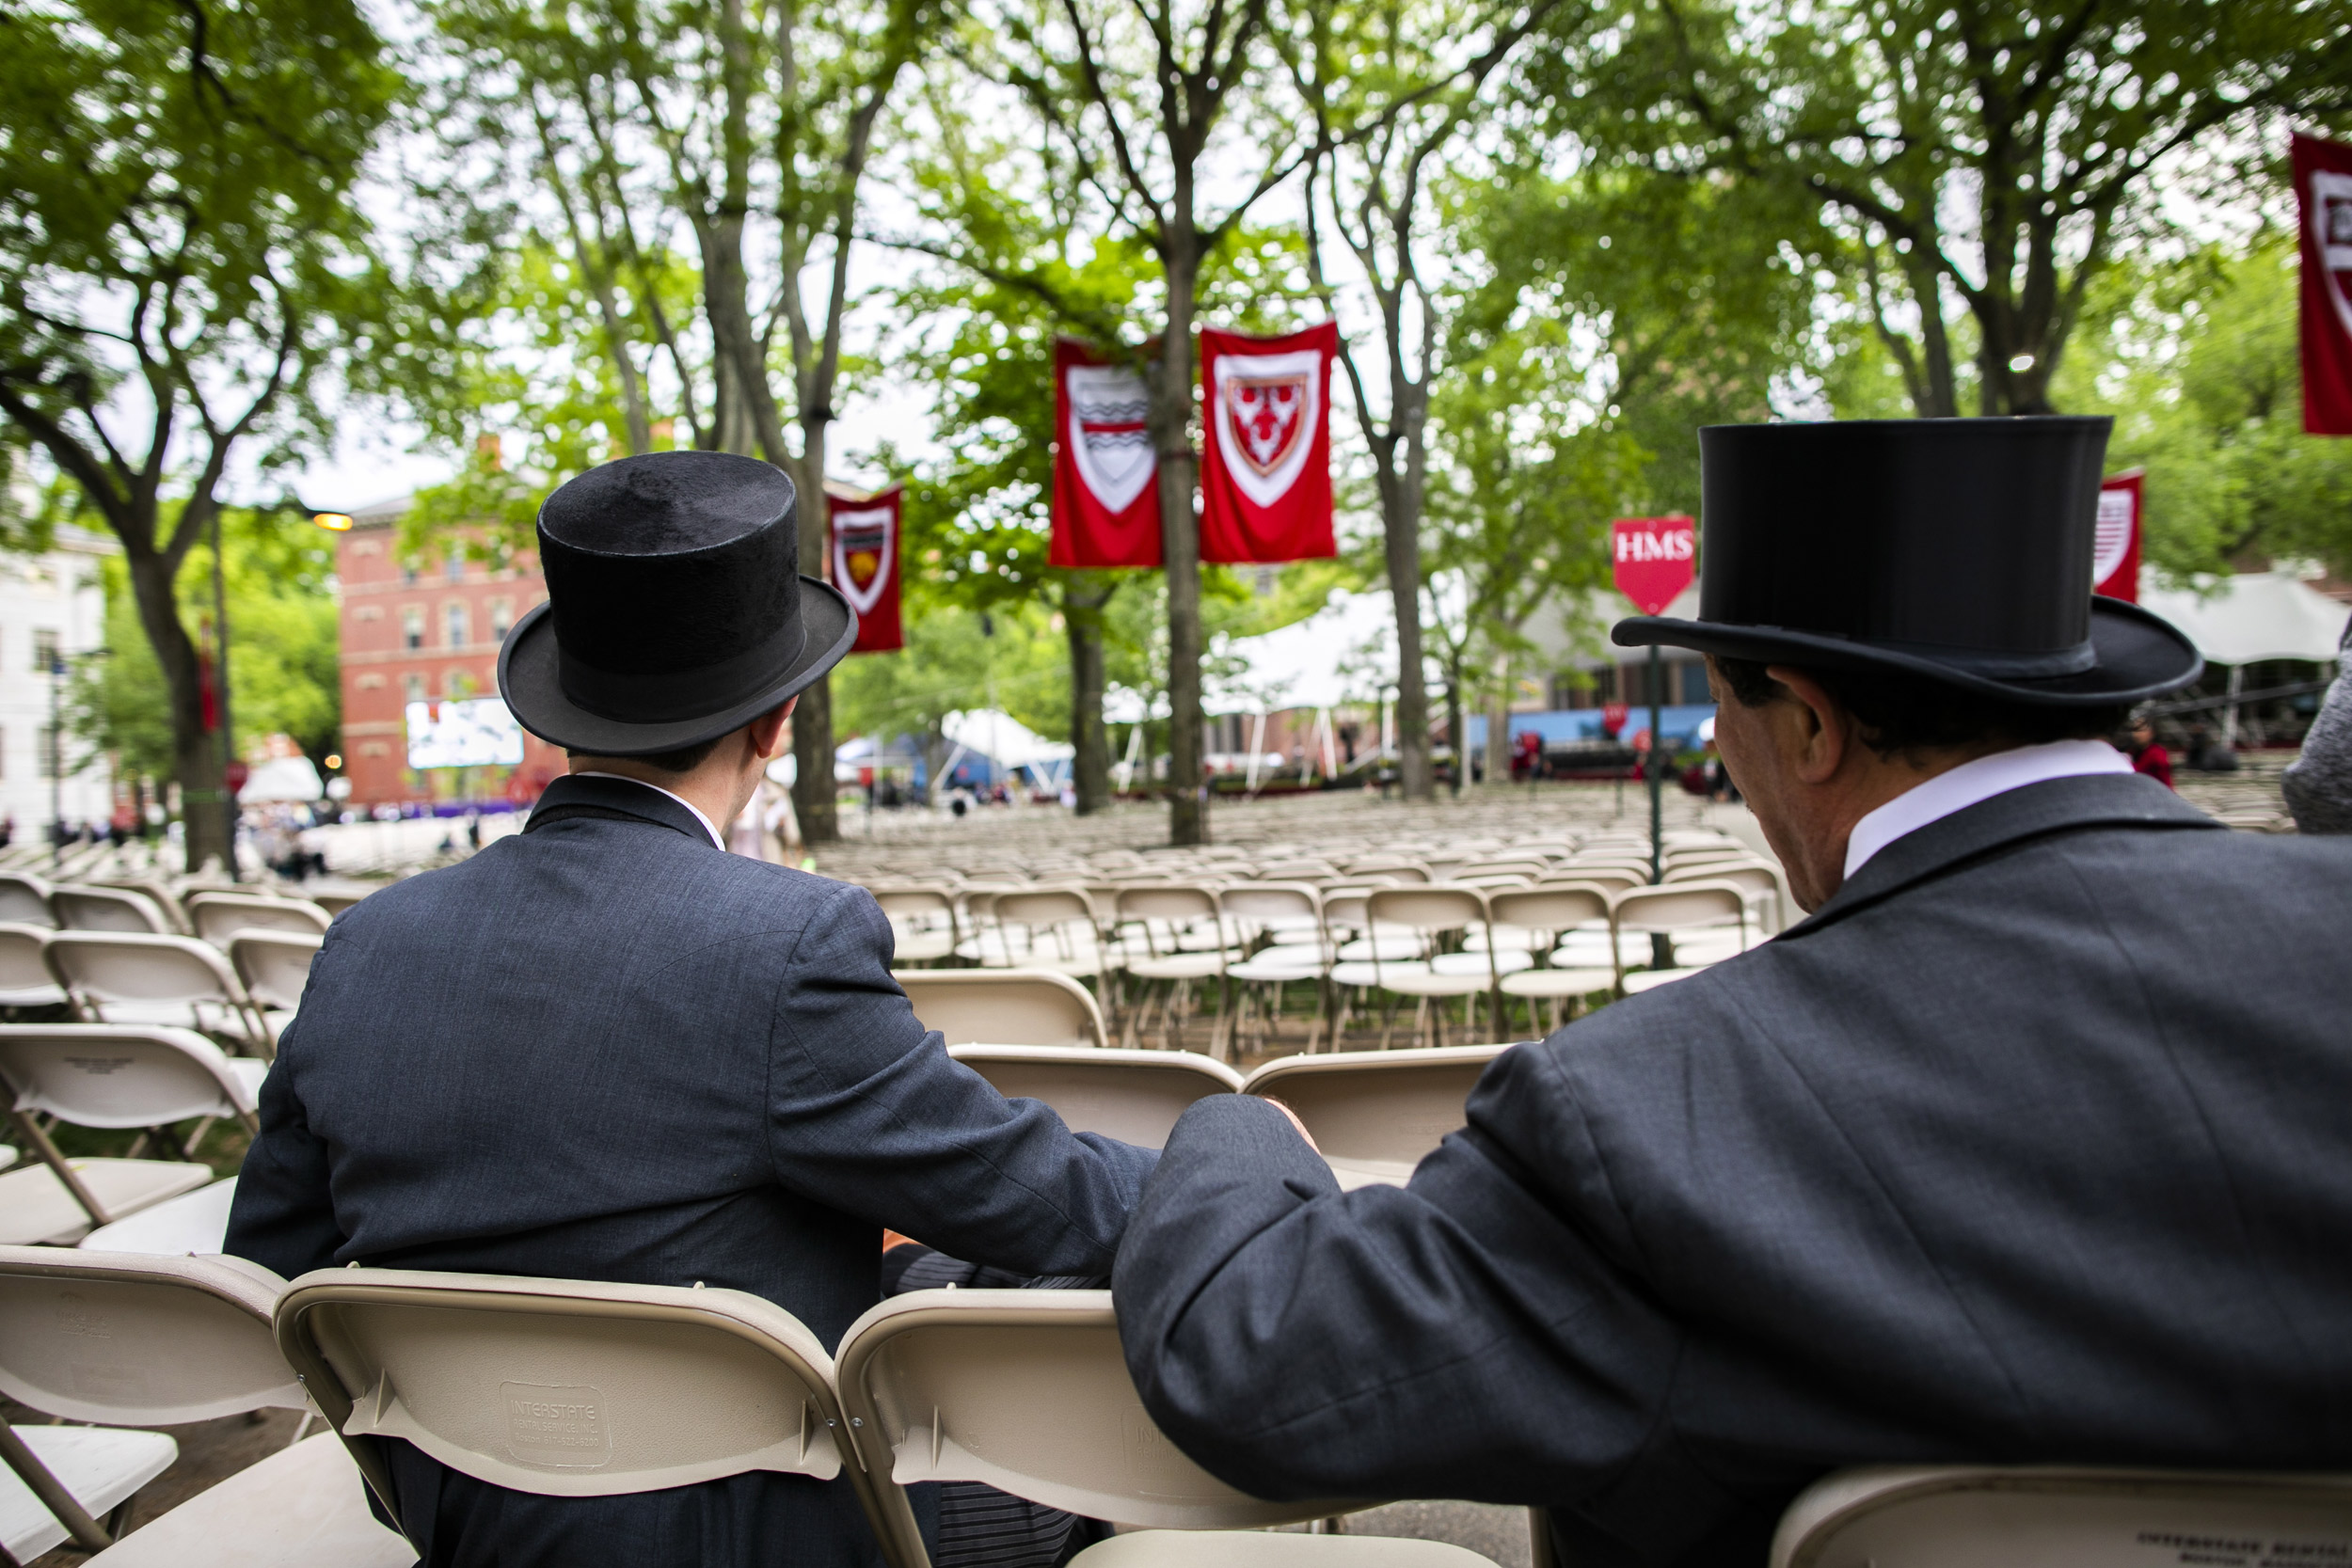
[
  {"x": 861, "y": 548},
  {"x": 2329, "y": 213},
  {"x": 1107, "y": 437},
  {"x": 2113, "y": 538},
  {"x": 1266, "y": 409}
]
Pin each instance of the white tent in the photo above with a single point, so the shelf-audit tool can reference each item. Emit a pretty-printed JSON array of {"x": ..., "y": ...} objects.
[
  {"x": 2252, "y": 617},
  {"x": 1002, "y": 738},
  {"x": 282, "y": 779},
  {"x": 1344, "y": 653}
]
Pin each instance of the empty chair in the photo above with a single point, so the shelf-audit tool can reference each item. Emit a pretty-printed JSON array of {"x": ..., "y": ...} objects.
[
  {"x": 1767, "y": 889},
  {"x": 147, "y": 977},
  {"x": 1166, "y": 911},
  {"x": 566, "y": 1388},
  {"x": 1679, "y": 907},
  {"x": 1299, "y": 950},
  {"x": 1049, "y": 928},
  {"x": 217, "y": 916},
  {"x": 25, "y": 900},
  {"x": 107, "y": 908},
  {"x": 1375, "y": 1114},
  {"x": 274, "y": 966},
  {"x": 336, "y": 900},
  {"x": 1005, "y": 1006},
  {"x": 1981, "y": 1516},
  {"x": 1556, "y": 912},
  {"x": 1616, "y": 879},
  {"x": 156, "y": 892},
  {"x": 110, "y": 1078},
  {"x": 24, "y": 978},
  {"x": 1134, "y": 1096},
  {"x": 1451, "y": 968},
  {"x": 923, "y": 924},
  {"x": 1026, "y": 1391},
  {"x": 162, "y": 1342}
]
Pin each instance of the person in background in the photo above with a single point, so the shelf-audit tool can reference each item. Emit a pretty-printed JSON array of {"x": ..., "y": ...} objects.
[
  {"x": 2150, "y": 760},
  {"x": 2319, "y": 786}
]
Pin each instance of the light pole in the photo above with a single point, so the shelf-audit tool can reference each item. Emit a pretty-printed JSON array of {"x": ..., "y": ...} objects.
[{"x": 57, "y": 759}]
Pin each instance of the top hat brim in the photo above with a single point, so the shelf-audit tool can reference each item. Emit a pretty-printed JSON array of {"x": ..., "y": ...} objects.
[
  {"x": 530, "y": 680},
  {"x": 2136, "y": 655}
]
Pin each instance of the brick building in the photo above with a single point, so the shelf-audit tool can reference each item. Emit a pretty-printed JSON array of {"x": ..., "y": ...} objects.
[{"x": 425, "y": 631}]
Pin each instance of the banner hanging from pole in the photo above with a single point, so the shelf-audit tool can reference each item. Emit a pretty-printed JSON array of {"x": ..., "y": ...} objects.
[
  {"x": 1107, "y": 500},
  {"x": 2323, "y": 192},
  {"x": 864, "y": 563},
  {"x": 2115, "y": 555},
  {"x": 1266, "y": 461},
  {"x": 1654, "y": 559}
]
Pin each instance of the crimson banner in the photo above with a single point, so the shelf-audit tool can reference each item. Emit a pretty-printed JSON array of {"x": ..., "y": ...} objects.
[
  {"x": 1653, "y": 559},
  {"x": 1266, "y": 465},
  {"x": 2115, "y": 555},
  {"x": 866, "y": 566},
  {"x": 2323, "y": 191},
  {"x": 1106, "y": 505}
]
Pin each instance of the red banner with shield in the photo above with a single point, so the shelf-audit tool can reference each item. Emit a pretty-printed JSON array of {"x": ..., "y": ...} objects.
[
  {"x": 1265, "y": 459},
  {"x": 1654, "y": 559},
  {"x": 1107, "y": 500},
  {"x": 2323, "y": 192},
  {"x": 2115, "y": 553},
  {"x": 864, "y": 565}
]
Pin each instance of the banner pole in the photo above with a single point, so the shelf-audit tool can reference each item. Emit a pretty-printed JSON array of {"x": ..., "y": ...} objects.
[{"x": 1662, "y": 947}]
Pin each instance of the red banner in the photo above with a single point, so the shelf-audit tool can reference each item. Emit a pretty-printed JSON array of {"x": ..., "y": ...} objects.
[
  {"x": 1107, "y": 500},
  {"x": 2115, "y": 555},
  {"x": 2323, "y": 192},
  {"x": 1655, "y": 558},
  {"x": 865, "y": 565},
  {"x": 1265, "y": 463}
]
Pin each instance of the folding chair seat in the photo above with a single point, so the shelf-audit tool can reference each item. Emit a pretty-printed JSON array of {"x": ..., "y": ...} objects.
[
  {"x": 566, "y": 1388},
  {"x": 1027, "y": 1391},
  {"x": 107, "y": 908},
  {"x": 194, "y": 1224},
  {"x": 110, "y": 1078},
  {"x": 923, "y": 924},
  {"x": 1134, "y": 1096},
  {"x": 275, "y": 967},
  {"x": 1376, "y": 1114},
  {"x": 1049, "y": 928},
  {"x": 1982, "y": 1516},
  {"x": 25, "y": 900},
  {"x": 1680, "y": 907},
  {"x": 217, "y": 916},
  {"x": 1164, "y": 913},
  {"x": 1435, "y": 913},
  {"x": 24, "y": 978},
  {"x": 1003, "y": 1006},
  {"x": 151, "y": 978},
  {"x": 1552, "y": 913}
]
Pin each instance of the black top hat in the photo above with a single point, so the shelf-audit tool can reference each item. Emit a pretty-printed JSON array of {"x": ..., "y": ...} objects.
[
  {"x": 1957, "y": 549},
  {"x": 675, "y": 608}
]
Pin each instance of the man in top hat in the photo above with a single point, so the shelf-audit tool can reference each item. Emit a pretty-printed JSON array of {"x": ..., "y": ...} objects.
[
  {"x": 605, "y": 1049},
  {"x": 2030, "y": 1145}
]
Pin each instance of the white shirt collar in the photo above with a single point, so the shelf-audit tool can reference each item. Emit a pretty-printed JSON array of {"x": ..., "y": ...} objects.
[
  {"x": 1960, "y": 787},
  {"x": 713, "y": 832}
]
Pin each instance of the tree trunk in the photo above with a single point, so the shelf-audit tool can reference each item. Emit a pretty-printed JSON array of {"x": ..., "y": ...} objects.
[
  {"x": 814, "y": 797},
  {"x": 1082, "y": 621},
  {"x": 1458, "y": 737},
  {"x": 1180, "y": 542},
  {"x": 1499, "y": 730},
  {"x": 195, "y": 751},
  {"x": 1400, "y": 517}
]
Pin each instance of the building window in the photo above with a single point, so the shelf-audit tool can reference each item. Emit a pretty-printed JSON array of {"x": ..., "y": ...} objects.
[
  {"x": 371, "y": 683},
  {"x": 456, "y": 685},
  {"x": 457, "y": 564},
  {"x": 368, "y": 612},
  {"x": 415, "y": 686},
  {"x": 412, "y": 625},
  {"x": 460, "y": 624},
  {"x": 44, "y": 649},
  {"x": 502, "y": 619}
]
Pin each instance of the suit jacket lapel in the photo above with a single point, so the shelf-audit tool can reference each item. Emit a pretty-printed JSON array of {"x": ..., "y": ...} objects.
[
  {"x": 572, "y": 796},
  {"x": 2036, "y": 811}
]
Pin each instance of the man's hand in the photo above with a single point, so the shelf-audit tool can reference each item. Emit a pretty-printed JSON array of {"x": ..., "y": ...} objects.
[{"x": 1293, "y": 1117}]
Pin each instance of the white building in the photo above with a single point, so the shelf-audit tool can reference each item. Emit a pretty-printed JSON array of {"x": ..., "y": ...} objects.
[{"x": 50, "y": 604}]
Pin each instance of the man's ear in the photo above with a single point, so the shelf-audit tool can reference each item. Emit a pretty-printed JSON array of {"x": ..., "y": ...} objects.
[
  {"x": 768, "y": 729},
  {"x": 1818, "y": 732}
]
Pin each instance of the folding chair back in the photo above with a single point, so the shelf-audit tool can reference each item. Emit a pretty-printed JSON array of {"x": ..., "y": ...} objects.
[
  {"x": 156, "y": 892},
  {"x": 275, "y": 965},
  {"x": 1973, "y": 1516},
  {"x": 1613, "y": 879},
  {"x": 1168, "y": 901},
  {"x": 123, "y": 1341},
  {"x": 1680, "y": 906},
  {"x": 24, "y": 978},
  {"x": 564, "y": 1389},
  {"x": 1268, "y": 903},
  {"x": 1376, "y": 1114},
  {"x": 1026, "y": 1391},
  {"x": 1561, "y": 907},
  {"x": 1426, "y": 908},
  {"x": 101, "y": 1075},
  {"x": 1134, "y": 1096},
  {"x": 336, "y": 902},
  {"x": 143, "y": 967},
  {"x": 218, "y": 915},
  {"x": 25, "y": 900},
  {"x": 106, "y": 909},
  {"x": 1005, "y": 1006},
  {"x": 1046, "y": 906}
]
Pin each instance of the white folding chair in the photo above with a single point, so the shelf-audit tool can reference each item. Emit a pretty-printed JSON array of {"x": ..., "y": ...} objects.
[
  {"x": 2059, "y": 1516},
  {"x": 1375, "y": 1115},
  {"x": 147, "y": 977},
  {"x": 1003, "y": 1006},
  {"x": 1680, "y": 907},
  {"x": 275, "y": 967},
  {"x": 1050, "y": 927},
  {"x": 114, "y": 1078},
  {"x": 923, "y": 924},
  {"x": 107, "y": 908},
  {"x": 1298, "y": 951},
  {"x": 156, "y": 892},
  {"x": 1763, "y": 882},
  {"x": 25, "y": 900},
  {"x": 153, "y": 1341},
  {"x": 1556, "y": 911},
  {"x": 217, "y": 916},
  {"x": 565, "y": 1388},
  {"x": 336, "y": 900},
  {"x": 1167, "y": 914},
  {"x": 1027, "y": 1391},
  {"x": 24, "y": 978},
  {"x": 1456, "y": 969},
  {"x": 1134, "y": 1096}
]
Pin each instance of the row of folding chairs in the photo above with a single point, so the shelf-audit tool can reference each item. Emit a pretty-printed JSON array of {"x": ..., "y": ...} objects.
[
  {"x": 247, "y": 993},
  {"x": 210, "y": 911}
]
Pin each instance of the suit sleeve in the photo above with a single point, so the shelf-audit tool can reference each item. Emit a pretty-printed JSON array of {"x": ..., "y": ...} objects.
[
  {"x": 868, "y": 1113},
  {"x": 1457, "y": 1337},
  {"x": 284, "y": 1215}
]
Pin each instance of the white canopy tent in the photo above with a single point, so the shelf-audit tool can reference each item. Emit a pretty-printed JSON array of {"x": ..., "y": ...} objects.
[
  {"x": 282, "y": 779},
  {"x": 1004, "y": 741},
  {"x": 2253, "y": 617}
]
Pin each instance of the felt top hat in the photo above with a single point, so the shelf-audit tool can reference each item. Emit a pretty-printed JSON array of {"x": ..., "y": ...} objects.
[
  {"x": 1955, "y": 549},
  {"x": 675, "y": 608}
]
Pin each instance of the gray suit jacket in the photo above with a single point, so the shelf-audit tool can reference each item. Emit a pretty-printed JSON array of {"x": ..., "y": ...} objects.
[
  {"x": 2034, "y": 1143},
  {"x": 603, "y": 1048}
]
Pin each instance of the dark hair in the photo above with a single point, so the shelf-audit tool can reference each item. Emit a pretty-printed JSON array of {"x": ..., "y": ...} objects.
[
  {"x": 1904, "y": 715},
  {"x": 684, "y": 760}
]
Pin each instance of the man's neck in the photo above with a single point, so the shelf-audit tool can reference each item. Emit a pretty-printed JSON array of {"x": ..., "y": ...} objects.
[{"x": 709, "y": 790}]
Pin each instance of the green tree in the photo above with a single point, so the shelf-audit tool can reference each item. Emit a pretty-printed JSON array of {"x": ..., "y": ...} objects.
[{"x": 179, "y": 261}]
